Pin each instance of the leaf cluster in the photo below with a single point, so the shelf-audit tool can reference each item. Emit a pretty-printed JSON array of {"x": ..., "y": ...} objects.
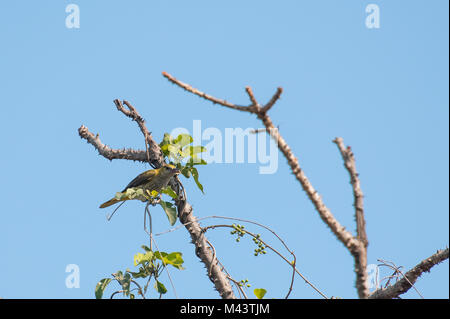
[
  {"x": 150, "y": 265},
  {"x": 184, "y": 156}
]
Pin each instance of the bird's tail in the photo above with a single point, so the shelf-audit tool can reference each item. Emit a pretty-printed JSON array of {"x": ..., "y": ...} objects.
[{"x": 109, "y": 203}]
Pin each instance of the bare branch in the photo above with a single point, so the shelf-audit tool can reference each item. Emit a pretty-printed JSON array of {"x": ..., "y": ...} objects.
[
  {"x": 355, "y": 246},
  {"x": 251, "y": 96},
  {"x": 273, "y": 100},
  {"x": 410, "y": 277},
  {"x": 153, "y": 151},
  {"x": 205, "y": 96},
  {"x": 109, "y": 153},
  {"x": 350, "y": 165},
  {"x": 360, "y": 256},
  {"x": 396, "y": 274}
]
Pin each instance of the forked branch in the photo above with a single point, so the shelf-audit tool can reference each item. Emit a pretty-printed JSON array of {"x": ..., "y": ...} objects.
[
  {"x": 410, "y": 277},
  {"x": 153, "y": 156},
  {"x": 357, "y": 245}
]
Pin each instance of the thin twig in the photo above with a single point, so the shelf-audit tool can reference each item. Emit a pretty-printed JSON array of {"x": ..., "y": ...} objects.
[
  {"x": 251, "y": 96},
  {"x": 238, "y": 285},
  {"x": 268, "y": 229},
  {"x": 205, "y": 96},
  {"x": 213, "y": 259},
  {"x": 291, "y": 264},
  {"x": 397, "y": 270},
  {"x": 141, "y": 292},
  {"x": 411, "y": 276},
  {"x": 156, "y": 160},
  {"x": 167, "y": 269},
  {"x": 273, "y": 100},
  {"x": 108, "y": 217}
]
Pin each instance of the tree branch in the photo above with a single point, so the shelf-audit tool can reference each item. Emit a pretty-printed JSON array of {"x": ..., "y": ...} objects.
[
  {"x": 404, "y": 284},
  {"x": 359, "y": 256},
  {"x": 355, "y": 246},
  {"x": 205, "y": 96},
  {"x": 109, "y": 153},
  {"x": 153, "y": 156},
  {"x": 350, "y": 165}
]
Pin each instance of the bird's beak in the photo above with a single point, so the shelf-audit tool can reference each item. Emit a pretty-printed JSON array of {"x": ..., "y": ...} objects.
[{"x": 176, "y": 171}]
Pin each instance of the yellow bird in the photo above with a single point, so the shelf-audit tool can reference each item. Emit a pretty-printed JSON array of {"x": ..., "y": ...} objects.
[{"x": 151, "y": 180}]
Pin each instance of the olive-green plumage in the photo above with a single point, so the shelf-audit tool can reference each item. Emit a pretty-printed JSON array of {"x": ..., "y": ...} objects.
[{"x": 151, "y": 180}]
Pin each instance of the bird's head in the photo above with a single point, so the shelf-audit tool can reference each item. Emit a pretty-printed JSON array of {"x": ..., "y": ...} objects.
[{"x": 168, "y": 170}]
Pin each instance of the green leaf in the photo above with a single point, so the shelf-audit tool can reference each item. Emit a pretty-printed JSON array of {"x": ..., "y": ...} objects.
[
  {"x": 196, "y": 161},
  {"x": 192, "y": 150},
  {"x": 140, "y": 259},
  {"x": 195, "y": 175},
  {"x": 143, "y": 272},
  {"x": 260, "y": 292},
  {"x": 165, "y": 149},
  {"x": 124, "y": 281},
  {"x": 170, "y": 211},
  {"x": 101, "y": 286},
  {"x": 175, "y": 259},
  {"x": 131, "y": 193},
  {"x": 160, "y": 287},
  {"x": 183, "y": 140},
  {"x": 173, "y": 149},
  {"x": 169, "y": 191},
  {"x": 153, "y": 193},
  {"x": 167, "y": 139},
  {"x": 145, "y": 248},
  {"x": 186, "y": 172}
]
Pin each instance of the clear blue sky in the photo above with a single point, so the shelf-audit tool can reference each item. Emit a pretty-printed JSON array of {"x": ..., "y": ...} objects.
[{"x": 385, "y": 91}]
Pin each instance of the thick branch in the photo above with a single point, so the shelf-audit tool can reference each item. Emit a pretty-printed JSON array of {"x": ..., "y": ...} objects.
[
  {"x": 185, "y": 212},
  {"x": 404, "y": 284}
]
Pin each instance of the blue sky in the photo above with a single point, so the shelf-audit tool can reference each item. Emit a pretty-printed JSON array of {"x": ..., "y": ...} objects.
[{"x": 385, "y": 91}]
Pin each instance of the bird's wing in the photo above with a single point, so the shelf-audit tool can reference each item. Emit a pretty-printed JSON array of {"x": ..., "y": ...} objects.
[{"x": 141, "y": 179}]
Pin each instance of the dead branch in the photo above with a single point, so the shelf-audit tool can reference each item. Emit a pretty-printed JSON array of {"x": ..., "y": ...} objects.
[
  {"x": 360, "y": 256},
  {"x": 356, "y": 245},
  {"x": 397, "y": 275},
  {"x": 109, "y": 153},
  {"x": 153, "y": 156},
  {"x": 410, "y": 277}
]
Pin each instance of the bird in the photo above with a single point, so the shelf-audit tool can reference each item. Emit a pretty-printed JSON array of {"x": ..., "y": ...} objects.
[{"x": 151, "y": 180}]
